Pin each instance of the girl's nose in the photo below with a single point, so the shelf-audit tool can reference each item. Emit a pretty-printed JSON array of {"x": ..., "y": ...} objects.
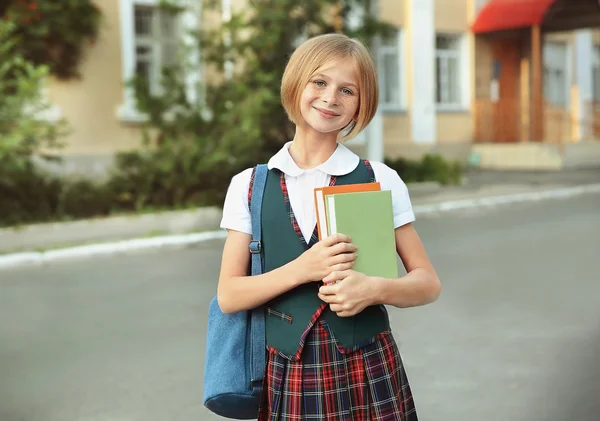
[{"x": 329, "y": 96}]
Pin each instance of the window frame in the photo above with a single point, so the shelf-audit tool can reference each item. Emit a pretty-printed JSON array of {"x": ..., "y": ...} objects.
[
  {"x": 398, "y": 50},
  {"x": 459, "y": 54},
  {"x": 189, "y": 20},
  {"x": 550, "y": 59}
]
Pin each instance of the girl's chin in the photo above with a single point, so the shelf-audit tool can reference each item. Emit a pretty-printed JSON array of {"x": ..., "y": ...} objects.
[{"x": 325, "y": 128}]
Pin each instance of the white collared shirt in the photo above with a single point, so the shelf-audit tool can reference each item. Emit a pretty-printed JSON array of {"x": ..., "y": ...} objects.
[{"x": 301, "y": 184}]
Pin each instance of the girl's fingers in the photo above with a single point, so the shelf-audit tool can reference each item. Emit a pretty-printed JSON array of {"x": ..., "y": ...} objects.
[
  {"x": 345, "y": 266},
  {"x": 343, "y": 248},
  {"x": 345, "y": 258},
  {"x": 329, "y": 299},
  {"x": 336, "y": 308},
  {"x": 335, "y": 239}
]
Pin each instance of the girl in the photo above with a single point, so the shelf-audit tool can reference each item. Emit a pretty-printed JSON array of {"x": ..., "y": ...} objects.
[{"x": 331, "y": 353}]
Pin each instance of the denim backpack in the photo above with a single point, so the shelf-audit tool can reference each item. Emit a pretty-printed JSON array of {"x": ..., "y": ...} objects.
[{"x": 235, "y": 346}]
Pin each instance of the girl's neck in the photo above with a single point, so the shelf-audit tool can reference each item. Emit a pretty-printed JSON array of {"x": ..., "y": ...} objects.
[{"x": 311, "y": 149}]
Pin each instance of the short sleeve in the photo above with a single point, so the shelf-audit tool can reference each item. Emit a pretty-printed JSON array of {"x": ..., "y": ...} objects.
[
  {"x": 390, "y": 180},
  {"x": 236, "y": 214}
]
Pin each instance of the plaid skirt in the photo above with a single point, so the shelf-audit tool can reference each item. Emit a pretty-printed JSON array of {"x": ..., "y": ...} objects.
[{"x": 369, "y": 384}]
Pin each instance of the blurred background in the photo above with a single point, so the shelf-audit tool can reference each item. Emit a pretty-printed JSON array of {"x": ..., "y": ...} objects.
[{"x": 125, "y": 120}]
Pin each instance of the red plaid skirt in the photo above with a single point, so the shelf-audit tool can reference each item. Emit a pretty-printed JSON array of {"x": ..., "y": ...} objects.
[{"x": 369, "y": 384}]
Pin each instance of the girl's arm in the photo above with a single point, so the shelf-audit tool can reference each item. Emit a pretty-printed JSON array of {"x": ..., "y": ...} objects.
[
  {"x": 357, "y": 291},
  {"x": 237, "y": 291},
  {"x": 420, "y": 285}
]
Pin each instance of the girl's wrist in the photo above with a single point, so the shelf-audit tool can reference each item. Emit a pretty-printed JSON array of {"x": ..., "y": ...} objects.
[
  {"x": 294, "y": 273},
  {"x": 379, "y": 289}
]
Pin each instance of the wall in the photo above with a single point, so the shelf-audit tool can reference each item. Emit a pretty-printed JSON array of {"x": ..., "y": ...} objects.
[
  {"x": 392, "y": 11},
  {"x": 451, "y": 16},
  {"x": 89, "y": 104}
]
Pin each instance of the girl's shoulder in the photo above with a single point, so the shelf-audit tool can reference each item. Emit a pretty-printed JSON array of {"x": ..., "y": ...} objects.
[
  {"x": 243, "y": 175},
  {"x": 390, "y": 180},
  {"x": 236, "y": 213}
]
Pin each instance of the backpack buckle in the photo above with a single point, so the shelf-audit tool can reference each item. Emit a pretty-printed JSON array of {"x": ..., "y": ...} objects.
[{"x": 255, "y": 246}]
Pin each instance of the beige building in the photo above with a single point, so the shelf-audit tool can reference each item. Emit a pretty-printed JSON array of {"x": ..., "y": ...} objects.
[{"x": 451, "y": 81}]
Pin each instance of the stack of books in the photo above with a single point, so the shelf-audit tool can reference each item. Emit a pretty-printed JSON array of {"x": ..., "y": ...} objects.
[{"x": 364, "y": 213}]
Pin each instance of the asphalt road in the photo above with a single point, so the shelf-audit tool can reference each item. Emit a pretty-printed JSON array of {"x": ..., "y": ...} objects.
[{"x": 515, "y": 335}]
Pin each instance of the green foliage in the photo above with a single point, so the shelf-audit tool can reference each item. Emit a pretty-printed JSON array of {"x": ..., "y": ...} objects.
[
  {"x": 431, "y": 167},
  {"x": 30, "y": 196},
  {"x": 22, "y": 131},
  {"x": 247, "y": 105},
  {"x": 192, "y": 146},
  {"x": 24, "y": 136},
  {"x": 53, "y": 33}
]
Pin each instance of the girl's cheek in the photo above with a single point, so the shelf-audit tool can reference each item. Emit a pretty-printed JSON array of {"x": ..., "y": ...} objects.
[{"x": 351, "y": 102}]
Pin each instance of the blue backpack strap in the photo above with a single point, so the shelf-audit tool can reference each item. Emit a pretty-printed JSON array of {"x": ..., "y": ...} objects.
[{"x": 258, "y": 341}]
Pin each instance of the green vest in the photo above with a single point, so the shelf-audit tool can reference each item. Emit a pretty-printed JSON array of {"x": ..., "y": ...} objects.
[{"x": 288, "y": 316}]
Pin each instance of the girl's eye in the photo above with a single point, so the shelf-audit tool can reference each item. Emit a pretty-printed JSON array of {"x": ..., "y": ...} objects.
[
  {"x": 347, "y": 91},
  {"x": 319, "y": 83}
]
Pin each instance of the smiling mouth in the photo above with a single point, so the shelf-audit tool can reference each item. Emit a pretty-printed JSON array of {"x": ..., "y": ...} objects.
[{"x": 326, "y": 113}]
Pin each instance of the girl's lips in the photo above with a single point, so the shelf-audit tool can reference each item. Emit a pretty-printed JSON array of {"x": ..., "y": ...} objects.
[{"x": 326, "y": 114}]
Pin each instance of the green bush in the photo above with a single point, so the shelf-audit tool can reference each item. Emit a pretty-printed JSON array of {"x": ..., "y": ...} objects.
[
  {"x": 431, "y": 167},
  {"x": 25, "y": 191},
  {"x": 27, "y": 196},
  {"x": 24, "y": 132},
  {"x": 167, "y": 178},
  {"x": 53, "y": 33},
  {"x": 31, "y": 195},
  {"x": 80, "y": 198}
]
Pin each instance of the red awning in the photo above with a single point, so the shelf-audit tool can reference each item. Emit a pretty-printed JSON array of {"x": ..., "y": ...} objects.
[{"x": 500, "y": 15}]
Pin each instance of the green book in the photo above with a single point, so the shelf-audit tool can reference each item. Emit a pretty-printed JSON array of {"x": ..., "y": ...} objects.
[{"x": 368, "y": 219}]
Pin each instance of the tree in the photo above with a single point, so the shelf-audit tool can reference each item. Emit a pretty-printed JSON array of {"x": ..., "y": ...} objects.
[
  {"x": 53, "y": 33},
  {"x": 23, "y": 134},
  {"x": 26, "y": 191},
  {"x": 193, "y": 147},
  {"x": 260, "y": 41}
]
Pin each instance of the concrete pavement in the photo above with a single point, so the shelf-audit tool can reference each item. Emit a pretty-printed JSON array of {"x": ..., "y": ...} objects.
[{"x": 514, "y": 336}]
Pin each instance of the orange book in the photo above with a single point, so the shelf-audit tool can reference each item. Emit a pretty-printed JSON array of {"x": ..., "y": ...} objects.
[{"x": 320, "y": 204}]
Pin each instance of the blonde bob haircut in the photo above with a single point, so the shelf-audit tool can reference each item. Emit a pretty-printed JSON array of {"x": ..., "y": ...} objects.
[{"x": 315, "y": 53}]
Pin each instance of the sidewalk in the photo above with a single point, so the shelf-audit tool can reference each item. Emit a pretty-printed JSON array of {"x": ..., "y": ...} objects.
[{"x": 482, "y": 188}]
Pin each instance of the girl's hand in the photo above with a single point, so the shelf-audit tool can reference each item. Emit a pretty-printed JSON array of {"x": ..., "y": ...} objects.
[
  {"x": 334, "y": 253},
  {"x": 348, "y": 292}
]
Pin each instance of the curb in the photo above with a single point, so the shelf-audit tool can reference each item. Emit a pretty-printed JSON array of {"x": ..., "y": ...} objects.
[
  {"x": 31, "y": 258},
  {"x": 53, "y": 235},
  {"x": 37, "y": 258},
  {"x": 491, "y": 201}
]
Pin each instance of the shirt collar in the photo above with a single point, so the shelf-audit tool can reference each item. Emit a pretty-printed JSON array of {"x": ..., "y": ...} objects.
[{"x": 341, "y": 162}]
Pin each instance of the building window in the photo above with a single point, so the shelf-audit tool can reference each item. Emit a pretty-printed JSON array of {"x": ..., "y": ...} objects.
[
  {"x": 390, "y": 73},
  {"x": 448, "y": 71},
  {"x": 150, "y": 41},
  {"x": 156, "y": 43},
  {"x": 556, "y": 77}
]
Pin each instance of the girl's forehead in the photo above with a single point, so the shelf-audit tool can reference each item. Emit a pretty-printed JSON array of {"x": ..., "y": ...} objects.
[{"x": 346, "y": 67}]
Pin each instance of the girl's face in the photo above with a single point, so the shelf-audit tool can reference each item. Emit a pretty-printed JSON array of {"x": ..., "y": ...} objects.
[{"x": 330, "y": 100}]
